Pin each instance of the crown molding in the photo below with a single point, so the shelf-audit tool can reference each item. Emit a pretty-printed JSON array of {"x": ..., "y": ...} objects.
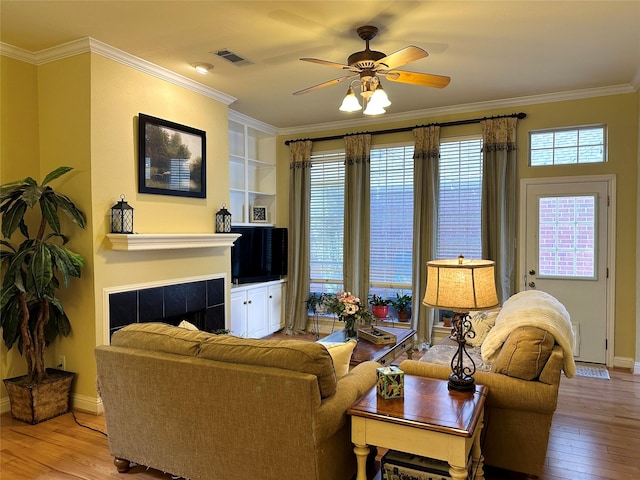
[
  {"x": 420, "y": 115},
  {"x": 252, "y": 122},
  {"x": 91, "y": 45}
]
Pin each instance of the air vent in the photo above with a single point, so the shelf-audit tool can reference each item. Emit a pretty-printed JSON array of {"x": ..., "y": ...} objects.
[{"x": 229, "y": 56}]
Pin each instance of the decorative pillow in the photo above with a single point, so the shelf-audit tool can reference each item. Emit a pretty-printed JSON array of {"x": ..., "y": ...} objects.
[
  {"x": 187, "y": 325},
  {"x": 341, "y": 355},
  {"x": 482, "y": 322},
  {"x": 525, "y": 353}
]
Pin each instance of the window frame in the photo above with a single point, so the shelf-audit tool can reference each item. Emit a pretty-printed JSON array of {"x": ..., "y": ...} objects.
[{"x": 576, "y": 128}]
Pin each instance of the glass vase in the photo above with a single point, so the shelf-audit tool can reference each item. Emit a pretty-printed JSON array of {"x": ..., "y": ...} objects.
[{"x": 350, "y": 329}]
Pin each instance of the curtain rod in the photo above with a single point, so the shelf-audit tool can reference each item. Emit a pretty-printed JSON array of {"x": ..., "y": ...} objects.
[{"x": 520, "y": 115}]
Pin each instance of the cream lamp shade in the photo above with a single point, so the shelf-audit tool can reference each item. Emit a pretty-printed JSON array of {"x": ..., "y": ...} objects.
[{"x": 461, "y": 285}]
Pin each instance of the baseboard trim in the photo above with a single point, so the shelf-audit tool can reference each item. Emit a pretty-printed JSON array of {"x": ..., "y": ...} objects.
[
  {"x": 626, "y": 362},
  {"x": 87, "y": 404}
]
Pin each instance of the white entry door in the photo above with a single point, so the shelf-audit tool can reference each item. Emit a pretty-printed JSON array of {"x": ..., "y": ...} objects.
[{"x": 566, "y": 254}]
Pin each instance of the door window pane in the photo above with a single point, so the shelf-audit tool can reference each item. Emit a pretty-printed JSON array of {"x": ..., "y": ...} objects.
[{"x": 566, "y": 236}]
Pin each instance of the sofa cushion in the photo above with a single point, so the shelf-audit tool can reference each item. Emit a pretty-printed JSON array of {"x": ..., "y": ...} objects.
[
  {"x": 296, "y": 355},
  {"x": 481, "y": 322},
  {"x": 524, "y": 353},
  {"x": 160, "y": 337},
  {"x": 341, "y": 355}
]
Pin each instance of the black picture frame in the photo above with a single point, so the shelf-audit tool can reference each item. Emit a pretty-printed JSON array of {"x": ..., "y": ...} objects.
[{"x": 158, "y": 173}]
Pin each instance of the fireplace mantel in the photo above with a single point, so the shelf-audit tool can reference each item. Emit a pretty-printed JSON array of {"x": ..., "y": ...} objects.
[{"x": 170, "y": 241}]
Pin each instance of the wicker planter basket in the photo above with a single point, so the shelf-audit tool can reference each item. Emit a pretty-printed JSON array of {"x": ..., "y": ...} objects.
[{"x": 37, "y": 403}]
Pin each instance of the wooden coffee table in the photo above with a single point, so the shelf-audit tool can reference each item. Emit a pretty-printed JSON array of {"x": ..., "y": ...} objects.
[
  {"x": 430, "y": 421},
  {"x": 384, "y": 354}
]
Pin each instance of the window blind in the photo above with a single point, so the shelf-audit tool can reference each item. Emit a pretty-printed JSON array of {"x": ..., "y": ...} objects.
[
  {"x": 391, "y": 219},
  {"x": 459, "y": 201},
  {"x": 326, "y": 219}
]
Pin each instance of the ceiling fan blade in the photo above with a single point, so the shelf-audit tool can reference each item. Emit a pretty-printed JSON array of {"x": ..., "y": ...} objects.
[
  {"x": 326, "y": 62},
  {"x": 402, "y": 57},
  {"x": 324, "y": 84},
  {"x": 423, "y": 79}
]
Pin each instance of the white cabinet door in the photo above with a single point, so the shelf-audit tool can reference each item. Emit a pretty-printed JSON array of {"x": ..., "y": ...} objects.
[
  {"x": 276, "y": 312},
  {"x": 257, "y": 313},
  {"x": 238, "y": 313}
]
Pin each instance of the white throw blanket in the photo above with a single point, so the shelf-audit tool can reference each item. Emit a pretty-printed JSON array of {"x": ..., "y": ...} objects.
[{"x": 532, "y": 308}]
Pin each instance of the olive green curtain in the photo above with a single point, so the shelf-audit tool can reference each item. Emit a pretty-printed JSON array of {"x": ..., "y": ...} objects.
[
  {"x": 499, "y": 195},
  {"x": 356, "y": 215},
  {"x": 425, "y": 199},
  {"x": 297, "y": 289}
]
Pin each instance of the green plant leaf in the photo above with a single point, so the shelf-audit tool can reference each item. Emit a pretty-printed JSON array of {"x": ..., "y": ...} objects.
[
  {"x": 31, "y": 195},
  {"x": 11, "y": 318},
  {"x": 41, "y": 270},
  {"x": 49, "y": 211},
  {"x": 11, "y": 218},
  {"x": 58, "y": 172},
  {"x": 69, "y": 208}
]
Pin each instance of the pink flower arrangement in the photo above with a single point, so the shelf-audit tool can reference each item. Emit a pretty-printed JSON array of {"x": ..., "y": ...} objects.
[{"x": 349, "y": 309}]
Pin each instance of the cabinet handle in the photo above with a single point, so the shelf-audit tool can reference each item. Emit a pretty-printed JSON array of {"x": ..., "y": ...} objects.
[
  {"x": 249, "y": 301},
  {"x": 244, "y": 302}
]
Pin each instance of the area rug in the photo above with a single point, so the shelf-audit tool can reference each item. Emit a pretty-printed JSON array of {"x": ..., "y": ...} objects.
[{"x": 592, "y": 371}]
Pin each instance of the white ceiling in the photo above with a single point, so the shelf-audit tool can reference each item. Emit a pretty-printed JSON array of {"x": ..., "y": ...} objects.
[{"x": 492, "y": 50}]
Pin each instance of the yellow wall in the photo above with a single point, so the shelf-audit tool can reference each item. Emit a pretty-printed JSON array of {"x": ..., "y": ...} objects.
[
  {"x": 621, "y": 115},
  {"x": 19, "y": 147},
  {"x": 87, "y": 108}
]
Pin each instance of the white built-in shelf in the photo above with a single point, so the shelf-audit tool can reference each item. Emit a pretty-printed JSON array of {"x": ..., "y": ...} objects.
[{"x": 170, "y": 241}]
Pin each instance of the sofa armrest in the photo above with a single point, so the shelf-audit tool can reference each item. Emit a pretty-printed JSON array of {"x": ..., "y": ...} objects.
[
  {"x": 504, "y": 392},
  {"x": 332, "y": 412}
]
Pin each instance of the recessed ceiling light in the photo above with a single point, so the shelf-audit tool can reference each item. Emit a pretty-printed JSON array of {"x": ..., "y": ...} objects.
[{"x": 202, "y": 68}]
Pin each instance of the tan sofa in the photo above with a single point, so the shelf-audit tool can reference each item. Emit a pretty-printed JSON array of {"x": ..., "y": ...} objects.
[
  {"x": 204, "y": 406},
  {"x": 529, "y": 351}
]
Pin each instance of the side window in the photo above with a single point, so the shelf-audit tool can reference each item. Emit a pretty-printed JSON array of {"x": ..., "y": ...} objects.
[
  {"x": 567, "y": 146},
  {"x": 459, "y": 202}
]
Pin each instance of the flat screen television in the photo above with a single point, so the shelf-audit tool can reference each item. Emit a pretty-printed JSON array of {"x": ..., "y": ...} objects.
[{"x": 259, "y": 255}]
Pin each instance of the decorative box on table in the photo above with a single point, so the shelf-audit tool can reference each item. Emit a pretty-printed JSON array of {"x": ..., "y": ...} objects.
[
  {"x": 390, "y": 382},
  {"x": 376, "y": 335}
]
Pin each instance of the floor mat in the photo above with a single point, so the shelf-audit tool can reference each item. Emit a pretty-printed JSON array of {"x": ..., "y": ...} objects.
[{"x": 592, "y": 371}]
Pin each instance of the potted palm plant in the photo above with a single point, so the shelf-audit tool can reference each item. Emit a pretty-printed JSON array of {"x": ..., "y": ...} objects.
[
  {"x": 31, "y": 314},
  {"x": 402, "y": 304},
  {"x": 379, "y": 306}
]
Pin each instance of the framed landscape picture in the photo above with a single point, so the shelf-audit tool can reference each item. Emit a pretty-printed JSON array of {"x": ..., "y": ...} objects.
[{"x": 171, "y": 158}]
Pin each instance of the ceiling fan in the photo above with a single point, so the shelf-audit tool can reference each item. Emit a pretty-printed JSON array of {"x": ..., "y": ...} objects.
[{"x": 368, "y": 65}]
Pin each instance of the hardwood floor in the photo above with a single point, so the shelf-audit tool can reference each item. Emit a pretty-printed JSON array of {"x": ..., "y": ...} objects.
[{"x": 595, "y": 435}]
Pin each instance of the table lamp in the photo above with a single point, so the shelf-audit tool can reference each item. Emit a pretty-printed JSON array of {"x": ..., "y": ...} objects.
[{"x": 461, "y": 285}]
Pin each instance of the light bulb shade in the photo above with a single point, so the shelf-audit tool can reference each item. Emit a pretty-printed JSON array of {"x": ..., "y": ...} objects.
[
  {"x": 203, "y": 68},
  {"x": 350, "y": 102},
  {"x": 379, "y": 97},
  {"x": 461, "y": 285},
  {"x": 373, "y": 109}
]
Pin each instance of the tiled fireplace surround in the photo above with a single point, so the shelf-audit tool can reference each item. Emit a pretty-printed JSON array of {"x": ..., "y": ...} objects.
[{"x": 199, "y": 301}]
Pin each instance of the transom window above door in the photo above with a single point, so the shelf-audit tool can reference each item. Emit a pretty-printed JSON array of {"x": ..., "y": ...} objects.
[{"x": 567, "y": 146}]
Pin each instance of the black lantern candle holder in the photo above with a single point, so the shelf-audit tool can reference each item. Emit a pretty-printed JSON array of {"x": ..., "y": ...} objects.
[
  {"x": 223, "y": 220},
  {"x": 122, "y": 217}
]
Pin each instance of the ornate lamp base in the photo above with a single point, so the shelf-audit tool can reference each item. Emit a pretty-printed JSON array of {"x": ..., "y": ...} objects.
[
  {"x": 461, "y": 378},
  {"x": 464, "y": 384}
]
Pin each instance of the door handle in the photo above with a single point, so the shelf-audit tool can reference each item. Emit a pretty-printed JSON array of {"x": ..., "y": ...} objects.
[
  {"x": 532, "y": 284},
  {"x": 532, "y": 272}
]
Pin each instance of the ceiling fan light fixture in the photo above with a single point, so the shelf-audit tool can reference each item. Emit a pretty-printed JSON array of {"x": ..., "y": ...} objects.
[
  {"x": 379, "y": 97},
  {"x": 373, "y": 109},
  {"x": 203, "y": 68},
  {"x": 350, "y": 102}
]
